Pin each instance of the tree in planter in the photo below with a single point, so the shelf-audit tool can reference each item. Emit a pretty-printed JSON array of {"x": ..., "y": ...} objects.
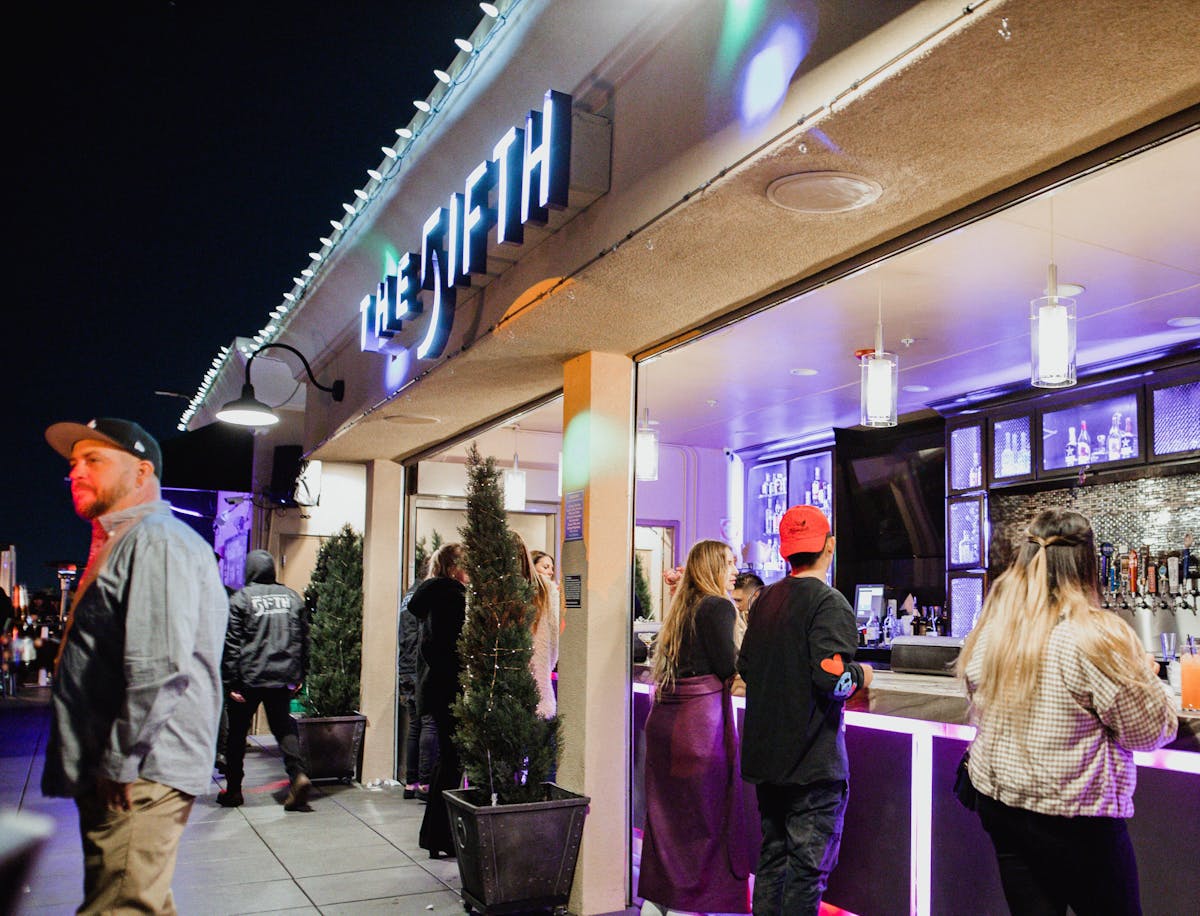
[
  {"x": 335, "y": 599},
  {"x": 507, "y": 749},
  {"x": 641, "y": 589}
]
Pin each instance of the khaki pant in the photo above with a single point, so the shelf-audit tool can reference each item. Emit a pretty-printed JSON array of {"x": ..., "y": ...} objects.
[{"x": 129, "y": 856}]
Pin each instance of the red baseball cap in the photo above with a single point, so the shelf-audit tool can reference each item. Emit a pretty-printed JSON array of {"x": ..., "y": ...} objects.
[{"x": 803, "y": 529}]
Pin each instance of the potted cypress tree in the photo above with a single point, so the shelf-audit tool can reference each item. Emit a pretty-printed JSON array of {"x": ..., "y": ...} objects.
[
  {"x": 331, "y": 730},
  {"x": 516, "y": 835}
]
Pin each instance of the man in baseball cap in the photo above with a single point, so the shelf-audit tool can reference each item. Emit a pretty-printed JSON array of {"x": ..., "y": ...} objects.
[
  {"x": 124, "y": 434},
  {"x": 797, "y": 659},
  {"x": 137, "y": 692}
]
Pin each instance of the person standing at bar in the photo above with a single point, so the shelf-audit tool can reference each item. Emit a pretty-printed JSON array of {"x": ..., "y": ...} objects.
[
  {"x": 440, "y": 603},
  {"x": 266, "y": 658},
  {"x": 1062, "y": 694},
  {"x": 137, "y": 686},
  {"x": 693, "y": 849},
  {"x": 797, "y": 659}
]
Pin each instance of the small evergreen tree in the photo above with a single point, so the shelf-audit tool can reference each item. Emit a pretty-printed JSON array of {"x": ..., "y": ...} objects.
[
  {"x": 335, "y": 602},
  {"x": 641, "y": 588},
  {"x": 506, "y": 748}
]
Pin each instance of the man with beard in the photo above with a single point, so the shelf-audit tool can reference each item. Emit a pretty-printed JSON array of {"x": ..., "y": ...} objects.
[{"x": 137, "y": 692}]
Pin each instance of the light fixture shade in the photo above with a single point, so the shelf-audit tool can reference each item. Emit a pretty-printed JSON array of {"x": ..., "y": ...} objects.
[
  {"x": 646, "y": 453},
  {"x": 514, "y": 490},
  {"x": 880, "y": 385},
  {"x": 1052, "y": 342},
  {"x": 247, "y": 410}
]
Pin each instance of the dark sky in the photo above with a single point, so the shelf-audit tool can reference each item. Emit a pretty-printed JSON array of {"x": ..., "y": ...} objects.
[{"x": 174, "y": 163}]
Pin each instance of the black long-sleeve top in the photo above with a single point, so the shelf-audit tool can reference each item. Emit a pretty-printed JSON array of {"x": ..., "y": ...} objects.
[{"x": 708, "y": 648}]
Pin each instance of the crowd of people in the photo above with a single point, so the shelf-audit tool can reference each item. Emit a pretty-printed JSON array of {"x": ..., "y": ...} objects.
[
  {"x": 1062, "y": 694},
  {"x": 155, "y": 652}
]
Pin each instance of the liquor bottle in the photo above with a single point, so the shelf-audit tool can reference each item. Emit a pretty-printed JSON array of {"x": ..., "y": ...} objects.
[
  {"x": 1083, "y": 445},
  {"x": 1024, "y": 457},
  {"x": 1069, "y": 459},
  {"x": 1127, "y": 439},
  {"x": 873, "y": 629},
  {"x": 1114, "y": 438},
  {"x": 1101, "y": 451},
  {"x": 1006, "y": 456},
  {"x": 975, "y": 478},
  {"x": 966, "y": 548}
]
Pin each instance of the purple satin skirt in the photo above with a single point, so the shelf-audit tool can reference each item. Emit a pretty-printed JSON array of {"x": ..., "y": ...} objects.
[{"x": 694, "y": 854}]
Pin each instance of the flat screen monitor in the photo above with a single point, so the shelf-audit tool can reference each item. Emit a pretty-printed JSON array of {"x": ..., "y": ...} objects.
[{"x": 866, "y": 599}]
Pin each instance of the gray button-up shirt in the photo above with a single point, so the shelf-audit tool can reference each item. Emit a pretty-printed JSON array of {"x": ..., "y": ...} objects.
[{"x": 138, "y": 687}]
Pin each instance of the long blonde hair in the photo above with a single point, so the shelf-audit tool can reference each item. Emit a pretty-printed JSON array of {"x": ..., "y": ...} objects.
[
  {"x": 1052, "y": 580},
  {"x": 703, "y": 577},
  {"x": 541, "y": 590}
]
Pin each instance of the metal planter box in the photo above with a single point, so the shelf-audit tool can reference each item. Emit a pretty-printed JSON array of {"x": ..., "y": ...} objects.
[
  {"x": 332, "y": 746},
  {"x": 517, "y": 857}
]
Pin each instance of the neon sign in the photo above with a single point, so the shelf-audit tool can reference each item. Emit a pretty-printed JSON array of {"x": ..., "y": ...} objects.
[{"x": 529, "y": 170}]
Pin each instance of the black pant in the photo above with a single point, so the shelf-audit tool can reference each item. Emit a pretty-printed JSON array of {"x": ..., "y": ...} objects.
[
  {"x": 420, "y": 746},
  {"x": 277, "y": 702},
  {"x": 1048, "y": 863},
  {"x": 436, "y": 835},
  {"x": 801, "y": 837}
]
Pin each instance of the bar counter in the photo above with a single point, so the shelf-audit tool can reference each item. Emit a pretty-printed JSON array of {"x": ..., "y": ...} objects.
[{"x": 908, "y": 846}]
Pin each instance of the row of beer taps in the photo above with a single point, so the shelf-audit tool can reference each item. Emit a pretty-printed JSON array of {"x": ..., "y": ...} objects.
[{"x": 1186, "y": 598}]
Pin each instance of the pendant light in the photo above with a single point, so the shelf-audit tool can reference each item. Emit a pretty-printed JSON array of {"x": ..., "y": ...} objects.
[
  {"x": 514, "y": 481},
  {"x": 646, "y": 449},
  {"x": 1052, "y": 331},
  {"x": 880, "y": 380}
]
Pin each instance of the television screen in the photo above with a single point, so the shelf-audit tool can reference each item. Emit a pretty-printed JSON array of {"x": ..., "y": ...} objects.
[{"x": 897, "y": 503}]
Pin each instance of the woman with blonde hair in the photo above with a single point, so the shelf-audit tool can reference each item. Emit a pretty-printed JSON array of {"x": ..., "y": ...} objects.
[
  {"x": 694, "y": 855},
  {"x": 544, "y": 629},
  {"x": 1062, "y": 694}
]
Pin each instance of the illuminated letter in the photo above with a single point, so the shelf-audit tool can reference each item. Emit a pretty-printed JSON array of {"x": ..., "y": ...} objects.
[
  {"x": 455, "y": 275},
  {"x": 507, "y": 156},
  {"x": 442, "y": 317},
  {"x": 547, "y": 158},
  {"x": 367, "y": 341},
  {"x": 477, "y": 218},
  {"x": 408, "y": 287},
  {"x": 433, "y": 236},
  {"x": 387, "y": 321}
]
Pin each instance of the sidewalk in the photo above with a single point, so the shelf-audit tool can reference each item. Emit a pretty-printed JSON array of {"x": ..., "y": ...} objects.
[{"x": 355, "y": 852}]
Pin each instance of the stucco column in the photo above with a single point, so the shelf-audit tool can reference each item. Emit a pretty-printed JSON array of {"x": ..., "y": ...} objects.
[
  {"x": 381, "y": 604},
  {"x": 594, "y": 656}
]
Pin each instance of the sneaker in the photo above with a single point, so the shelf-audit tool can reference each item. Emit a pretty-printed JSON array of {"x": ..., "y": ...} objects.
[
  {"x": 298, "y": 793},
  {"x": 230, "y": 798}
]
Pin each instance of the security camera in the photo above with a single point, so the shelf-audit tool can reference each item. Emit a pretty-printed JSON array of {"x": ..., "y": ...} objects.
[{"x": 728, "y": 453}]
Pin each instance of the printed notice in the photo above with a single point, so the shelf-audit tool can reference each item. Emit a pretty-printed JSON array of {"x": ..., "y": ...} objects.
[
  {"x": 573, "y": 516},
  {"x": 573, "y": 591}
]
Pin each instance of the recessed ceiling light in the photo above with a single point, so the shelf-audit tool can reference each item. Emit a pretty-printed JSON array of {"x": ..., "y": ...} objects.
[
  {"x": 711, "y": 402},
  {"x": 916, "y": 389},
  {"x": 1067, "y": 289},
  {"x": 823, "y": 192},
  {"x": 1184, "y": 321},
  {"x": 804, "y": 371}
]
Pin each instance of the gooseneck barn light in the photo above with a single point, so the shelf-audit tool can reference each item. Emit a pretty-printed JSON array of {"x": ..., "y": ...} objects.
[{"x": 247, "y": 410}]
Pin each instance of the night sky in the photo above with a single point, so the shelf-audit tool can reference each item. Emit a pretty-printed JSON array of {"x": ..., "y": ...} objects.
[{"x": 175, "y": 162}]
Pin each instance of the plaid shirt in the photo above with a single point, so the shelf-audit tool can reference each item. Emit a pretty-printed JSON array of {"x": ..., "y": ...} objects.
[{"x": 1075, "y": 754}]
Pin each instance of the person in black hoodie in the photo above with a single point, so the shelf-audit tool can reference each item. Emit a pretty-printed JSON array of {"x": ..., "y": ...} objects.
[
  {"x": 265, "y": 660},
  {"x": 440, "y": 603}
]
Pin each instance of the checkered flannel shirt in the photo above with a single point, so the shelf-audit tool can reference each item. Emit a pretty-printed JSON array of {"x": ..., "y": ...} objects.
[{"x": 1074, "y": 754}]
